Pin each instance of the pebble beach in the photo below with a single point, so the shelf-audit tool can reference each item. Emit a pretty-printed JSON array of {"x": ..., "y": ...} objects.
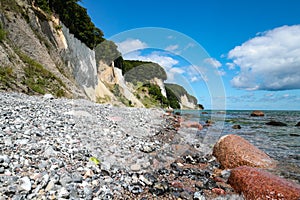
[{"x": 76, "y": 149}]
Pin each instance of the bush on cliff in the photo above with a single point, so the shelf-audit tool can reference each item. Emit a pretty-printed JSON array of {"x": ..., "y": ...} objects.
[
  {"x": 155, "y": 92},
  {"x": 6, "y": 77},
  {"x": 173, "y": 100},
  {"x": 39, "y": 80},
  {"x": 2, "y": 33}
]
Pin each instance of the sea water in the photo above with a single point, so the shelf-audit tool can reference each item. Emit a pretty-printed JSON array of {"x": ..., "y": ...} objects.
[{"x": 280, "y": 142}]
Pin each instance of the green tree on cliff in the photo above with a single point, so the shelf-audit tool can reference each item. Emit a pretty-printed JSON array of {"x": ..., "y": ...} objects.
[
  {"x": 75, "y": 17},
  {"x": 107, "y": 52}
]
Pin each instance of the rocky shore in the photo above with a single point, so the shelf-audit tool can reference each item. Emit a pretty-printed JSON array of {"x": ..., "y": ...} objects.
[{"x": 76, "y": 149}]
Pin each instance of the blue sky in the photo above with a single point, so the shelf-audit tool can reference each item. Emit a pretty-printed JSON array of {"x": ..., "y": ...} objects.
[{"x": 232, "y": 54}]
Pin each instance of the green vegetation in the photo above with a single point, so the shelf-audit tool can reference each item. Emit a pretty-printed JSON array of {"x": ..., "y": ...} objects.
[
  {"x": 149, "y": 101},
  {"x": 95, "y": 160},
  {"x": 75, "y": 17},
  {"x": 117, "y": 92},
  {"x": 104, "y": 99},
  {"x": 10, "y": 5},
  {"x": 180, "y": 91},
  {"x": 173, "y": 100},
  {"x": 139, "y": 71},
  {"x": 58, "y": 27},
  {"x": 44, "y": 5},
  {"x": 107, "y": 52},
  {"x": 2, "y": 33},
  {"x": 155, "y": 93},
  {"x": 40, "y": 80},
  {"x": 42, "y": 39},
  {"x": 200, "y": 106},
  {"x": 6, "y": 77},
  {"x": 151, "y": 96}
]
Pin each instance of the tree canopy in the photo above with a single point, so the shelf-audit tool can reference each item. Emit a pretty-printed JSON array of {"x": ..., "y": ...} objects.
[
  {"x": 107, "y": 52},
  {"x": 141, "y": 71},
  {"x": 75, "y": 17}
]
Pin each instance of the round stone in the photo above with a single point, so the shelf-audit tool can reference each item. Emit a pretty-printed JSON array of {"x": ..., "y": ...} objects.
[{"x": 135, "y": 167}]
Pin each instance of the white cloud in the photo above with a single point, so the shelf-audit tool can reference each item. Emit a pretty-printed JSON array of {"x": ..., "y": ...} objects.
[
  {"x": 194, "y": 79},
  {"x": 270, "y": 61},
  {"x": 213, "y": 62},
  {"x": 172, "y": 72},
  {"x": 230, "y": 66},
  {"x": 191, "y": 73},
  {"x": 196, "y": 73},
  {"x": 177, "y": 70},
  {"x": 220, "y": 72},
  {"x": 172, "y": 47},
  {"x": 165, "y": 61},
  {"x": 130, "y": 45}
]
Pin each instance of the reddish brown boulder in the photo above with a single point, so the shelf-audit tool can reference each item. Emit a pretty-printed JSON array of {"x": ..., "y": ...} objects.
[
  {"x": 191, "y": 124},
  {"x": 257, "y": 184},
  {"x": 257, "y": 113},
  {"x": 234, "y": 151}
]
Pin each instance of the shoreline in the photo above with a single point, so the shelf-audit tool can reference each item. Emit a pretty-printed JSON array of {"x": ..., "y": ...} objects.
[{"x": 61, "y": 148}]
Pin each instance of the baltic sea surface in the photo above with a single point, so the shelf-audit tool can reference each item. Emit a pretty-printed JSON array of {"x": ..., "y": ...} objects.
[{"x": 280, "y": 142}]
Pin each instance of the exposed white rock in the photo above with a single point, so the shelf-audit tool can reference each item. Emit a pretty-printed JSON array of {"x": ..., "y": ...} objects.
[
  {"x": 185, "y": 103},
  {"x": 26, "y": 184}
]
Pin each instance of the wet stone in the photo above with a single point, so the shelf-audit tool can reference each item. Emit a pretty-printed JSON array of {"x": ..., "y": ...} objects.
[
  {"x": 135, "y": 189},
  {"x": 160, "y": 188},
  {"x": 210, "y": 184},
  {"x": 163, "y": 171}
]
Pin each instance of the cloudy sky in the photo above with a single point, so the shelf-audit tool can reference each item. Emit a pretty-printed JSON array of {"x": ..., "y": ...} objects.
[{"x": 239, "y": 55}]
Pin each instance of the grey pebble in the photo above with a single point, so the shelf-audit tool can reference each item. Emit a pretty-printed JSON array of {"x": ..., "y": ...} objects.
[{"x": 25, "y": 184}]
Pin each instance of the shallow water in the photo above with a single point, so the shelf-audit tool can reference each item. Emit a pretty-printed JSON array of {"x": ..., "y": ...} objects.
[{"x": 280, "y": 143}]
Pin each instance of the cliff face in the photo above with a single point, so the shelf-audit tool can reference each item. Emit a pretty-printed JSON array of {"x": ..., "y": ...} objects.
[
  {"x": 186, "y": 100},
  {"x": 82, "y": 61},
  {"x": 32, "y": 49},
  {"x": 161, "y": 85},
  {"x": 39, "y": 55},
  {"x": 186, "y": 103},
  {"x": 112, "y": 77},
  {"x": 32, "y": 36}
]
